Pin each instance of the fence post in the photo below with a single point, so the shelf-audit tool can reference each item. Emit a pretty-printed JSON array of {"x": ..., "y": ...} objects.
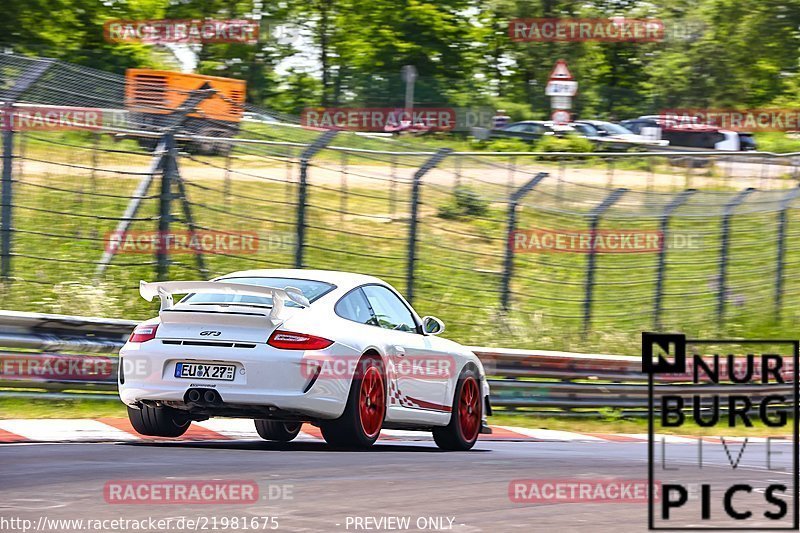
[
  {"x": 302, "y": 194},
  {"x": 393, "y": 187},
  {"x": 676, "y": 202},
  {"x": 781, "y": 259},
  {"x": 725, "y": 246},
  {"x": 161, "y": 154},
  {"x": 164, "y": 208},
  {"x": 7, "y": 197},
  {"x": 594, "y": 220},
  {"x": 10, "y": 96},
  {"x": 171, "y": 165},
  {"x": 343, "y": 187},
  {"x": 508, "y": 261},
  {"x": 434, "y": 160}
]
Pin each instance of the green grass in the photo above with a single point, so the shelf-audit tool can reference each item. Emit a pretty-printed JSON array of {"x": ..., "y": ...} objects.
[{"x": 79, "y": 408}]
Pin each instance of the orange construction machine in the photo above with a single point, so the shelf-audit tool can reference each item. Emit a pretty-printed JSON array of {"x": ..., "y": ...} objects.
[{"x": 153, "y": 96}]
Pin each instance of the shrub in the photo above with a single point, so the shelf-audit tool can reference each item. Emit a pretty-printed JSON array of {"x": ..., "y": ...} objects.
[{"x": 465, "y": 203}]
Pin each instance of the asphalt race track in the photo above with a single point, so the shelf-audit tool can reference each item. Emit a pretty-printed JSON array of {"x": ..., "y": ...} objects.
[{"x": 306, "y": 486}]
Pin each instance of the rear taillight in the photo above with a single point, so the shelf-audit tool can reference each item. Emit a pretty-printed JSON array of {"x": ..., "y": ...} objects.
[
  {"x": 289, "y": 340},
  {"x": 144, "y": 333}
]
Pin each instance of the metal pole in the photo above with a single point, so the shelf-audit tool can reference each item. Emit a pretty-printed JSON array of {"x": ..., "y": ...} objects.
[
  {"x": 676, "y": 202},
  {"x": 164, "y": 209},
  {"x": 512, "y": 167},
  {"x": 434, "y": 160},
  {"x": 724, "y": 248},
  {"x": 227, "y": 182},
  {"x": 5, "y": 208},
  {"x": 343, "y": 187},
  {"x": 508, "y": 261},
  {"x": 781, "y": 259},
  {"x": 21, "y": 84},
  {"x": 594, "y": 220},
  {"x": 187, "y": 214},
  {"x": 393, "y": 187},
  {"x": 302, "y": 193},
  {"x": 174, "y": 122}
]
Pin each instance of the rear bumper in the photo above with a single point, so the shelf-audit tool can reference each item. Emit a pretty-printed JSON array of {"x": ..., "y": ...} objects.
[{"x": 264, "y": 377}]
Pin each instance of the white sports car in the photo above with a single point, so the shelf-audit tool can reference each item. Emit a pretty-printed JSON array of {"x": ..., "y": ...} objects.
[{"x": 342, "y": 351}]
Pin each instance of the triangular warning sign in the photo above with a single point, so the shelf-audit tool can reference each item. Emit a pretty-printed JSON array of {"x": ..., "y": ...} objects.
[{"x": 560, "y": 71}]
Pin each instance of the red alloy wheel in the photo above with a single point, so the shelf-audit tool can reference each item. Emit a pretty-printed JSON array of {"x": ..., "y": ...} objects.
[
  {"x": 469, "y": 412},
  {"x": 371, "y": 400}
]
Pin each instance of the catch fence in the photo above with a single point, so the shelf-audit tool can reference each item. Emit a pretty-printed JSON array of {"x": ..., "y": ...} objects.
[{"x": 492, "y": 243}]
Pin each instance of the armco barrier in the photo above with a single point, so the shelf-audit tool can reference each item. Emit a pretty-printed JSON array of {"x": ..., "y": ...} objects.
[{"x": 56, "y": 356}]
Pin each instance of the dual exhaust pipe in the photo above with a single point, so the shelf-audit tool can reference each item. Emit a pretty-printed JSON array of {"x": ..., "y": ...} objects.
[{"x": 203, "y": 397}]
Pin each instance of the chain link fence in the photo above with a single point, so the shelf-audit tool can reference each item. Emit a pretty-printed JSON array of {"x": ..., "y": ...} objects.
[{"x": 524, "y": 249}]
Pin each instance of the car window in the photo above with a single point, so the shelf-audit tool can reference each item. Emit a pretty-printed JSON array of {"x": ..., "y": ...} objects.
[
  {"x": 354, "y": 306},
  {"x": 615, "y": 129},
  {"x": 517, "y": 127},
  {"x": 311, "y": 289},
  {"x": 390, "y": 311},
  {"x": 635, "y": 127},
  {"x": 586, "y": 129}
]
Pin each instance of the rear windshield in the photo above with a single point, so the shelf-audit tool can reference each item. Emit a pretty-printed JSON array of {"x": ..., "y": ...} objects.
[{"x": 312, "y": 290}]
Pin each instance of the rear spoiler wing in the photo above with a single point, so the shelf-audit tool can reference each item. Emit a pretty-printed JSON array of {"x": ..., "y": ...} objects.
[{"x": 165, "y": 289}]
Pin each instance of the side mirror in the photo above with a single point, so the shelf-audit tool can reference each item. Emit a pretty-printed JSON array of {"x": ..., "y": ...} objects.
[{"x": 432, "y": 325}]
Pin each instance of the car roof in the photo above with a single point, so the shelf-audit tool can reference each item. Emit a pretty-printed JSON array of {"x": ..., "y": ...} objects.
[
  {"x": 593, "y": 122},
  {"x": 335, "y": 277}
]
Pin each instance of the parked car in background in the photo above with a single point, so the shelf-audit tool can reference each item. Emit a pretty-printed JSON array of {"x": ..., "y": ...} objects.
[
  {"x": 530, "y": 130},
  {"x": 611, "y": 136},
  {"x": 692, "y": 135}
]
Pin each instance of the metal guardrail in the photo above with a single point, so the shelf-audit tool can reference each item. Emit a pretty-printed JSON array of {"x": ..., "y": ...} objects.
[{"x": 76, "y": 357}]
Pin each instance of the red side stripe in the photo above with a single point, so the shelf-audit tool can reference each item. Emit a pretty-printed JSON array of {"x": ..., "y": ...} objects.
[{"x": 430, "y": 405}]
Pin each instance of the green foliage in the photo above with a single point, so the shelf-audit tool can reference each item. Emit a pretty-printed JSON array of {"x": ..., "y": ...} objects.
[
  {"x": 567, "y": 143},
  {"x": 465, "y": 203},
  {"x": 778, "y": 142},
  {"x": 507, "y": 145},
  {"x": 716, "y": 53}
]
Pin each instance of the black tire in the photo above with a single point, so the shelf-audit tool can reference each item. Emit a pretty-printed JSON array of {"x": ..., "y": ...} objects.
[
  {"x": 159, "y": 421},
  {"x": 277, "y": 430},
  {"x": 465, "y": 422},
  {"x": 352, "y": 430}
]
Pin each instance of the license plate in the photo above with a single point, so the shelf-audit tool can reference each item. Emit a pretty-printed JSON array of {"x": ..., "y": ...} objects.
[{"x": 204, "y": 371}]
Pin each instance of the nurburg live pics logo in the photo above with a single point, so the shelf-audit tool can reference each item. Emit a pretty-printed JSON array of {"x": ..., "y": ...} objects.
[{"x": 749, "y": 488}]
